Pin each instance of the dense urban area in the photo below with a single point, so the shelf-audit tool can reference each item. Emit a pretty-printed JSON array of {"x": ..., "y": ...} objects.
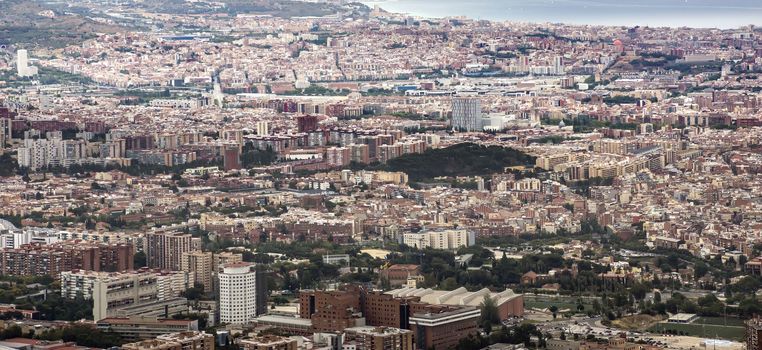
[{"x": 283, "y": 175}]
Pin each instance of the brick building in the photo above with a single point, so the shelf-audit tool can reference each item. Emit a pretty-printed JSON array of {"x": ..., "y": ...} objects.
[
  {"x": 441, "y": 326},
  {"x": 51, "y": 260},
  {"x": 398, "y": 274}
]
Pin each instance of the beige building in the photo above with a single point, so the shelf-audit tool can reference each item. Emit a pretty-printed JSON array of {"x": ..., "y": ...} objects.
[
  {"x": 141, "y": 328},
  {"x": 440, "y": 239},
  {"x": 175, "y": 341},
  {"x": 114, "y": 292},
  {"x": 224, "y": 258},
  {"x": 268, "y": 342},
  {"x": 199, "y": 264},
  {"x": 379, "y": 338}
]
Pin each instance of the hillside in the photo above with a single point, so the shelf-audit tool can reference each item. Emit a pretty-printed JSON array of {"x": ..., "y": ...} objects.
[{"x": 23, "y": 24}]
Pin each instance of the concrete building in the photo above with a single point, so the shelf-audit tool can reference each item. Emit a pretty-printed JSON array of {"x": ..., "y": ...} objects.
[
  {"x": 125, "y": 294},
  {"x": 199, "y": 264},
  {"x": 336, "y": 259},
  {"x": 112, "y": 291},
  {"x": 190, "y": 340},
  {"x": 440, "y": 239},
  {"x": 152, "y": 344},
  {"x": 263, "y": 128},
  {"x": 46, "y": 257},
  {"x": 466, "y": 114},
  {"x": 379, "y": 338},
  {"x": 224, "y": 258},
  {"x": 23, "y": 69},
  {"x": 268, "y": 342},
  {"x": 441, "y": 327},
  {"x": 164, "y": 250},
  {"x": 292, "y": 325},
  {"x": 41, "y": 153},
  {"x": 6, "y": 130},
  {"x": 237, "y": 293},
  {"x": 754, "y": 334},
  {"x": 140, "y": 328},
  {"x": 508, "y": 303},
  {"x": 187, "y": 340}
]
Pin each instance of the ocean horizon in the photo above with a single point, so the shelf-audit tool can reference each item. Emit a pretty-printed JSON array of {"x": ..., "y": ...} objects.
[{"x": 654, "y": 13}]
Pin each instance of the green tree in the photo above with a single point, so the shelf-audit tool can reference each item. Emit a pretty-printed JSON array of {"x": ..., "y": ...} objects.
[
  {"x": 554, "y": 310},
  {"x": 490, "y": 314},
  {"x": 139, "y": 260}
]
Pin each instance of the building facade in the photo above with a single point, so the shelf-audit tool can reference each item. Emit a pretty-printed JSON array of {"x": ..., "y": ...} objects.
[
  {"x": 466, "y": 114},
  {"x": 164, "y": 250},
  {"x": 237, "y": 293}
]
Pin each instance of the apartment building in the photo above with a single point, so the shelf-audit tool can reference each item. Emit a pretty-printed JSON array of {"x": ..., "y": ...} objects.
[
  {"x": 268, "y": 342},
  {"x": 238, "y": 293},
  {"x": 378, "y": 338},
  {"x": 187, "y": 340},
  {"x": 440, "y": 239},
  {"x": 52, "y": 259},
  {"x": 164, "y": 250},
  {"x": 199, "y": 265}
]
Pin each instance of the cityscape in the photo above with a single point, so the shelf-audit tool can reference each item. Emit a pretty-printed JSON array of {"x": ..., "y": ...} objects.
[{"x": 335, "y": 175}]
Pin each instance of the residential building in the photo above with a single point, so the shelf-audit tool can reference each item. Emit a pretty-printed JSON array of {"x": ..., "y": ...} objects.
[
  {"x": 238, "y": 293},
  {"x": 379, "y": 338},
  {"x": 164, "y": 250},
  {"x": 199, "y": 264},
  {"x": 754, "y": 334},
  {"x": 187, "y": 340},
  {"x": 268, "y": 342},
  {"x": 440, "y": 239}
]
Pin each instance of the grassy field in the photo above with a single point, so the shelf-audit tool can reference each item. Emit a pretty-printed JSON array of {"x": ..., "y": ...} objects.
[
  {"x": 706, "y": 330},
  {"x": 720, "y": 321}
]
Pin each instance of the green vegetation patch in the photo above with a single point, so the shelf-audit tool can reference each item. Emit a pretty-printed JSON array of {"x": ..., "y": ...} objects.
[{"x": 466, "y": 159}]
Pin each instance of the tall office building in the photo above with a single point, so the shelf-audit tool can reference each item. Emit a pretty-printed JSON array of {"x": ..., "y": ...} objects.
[
  {"x": 22, "y": 64},
  {"x": 164, "y": 250},
  {"x": 466, "y": 114},
  {"x": 199, "y": 264},
  {"x": 238, "y": 293}
]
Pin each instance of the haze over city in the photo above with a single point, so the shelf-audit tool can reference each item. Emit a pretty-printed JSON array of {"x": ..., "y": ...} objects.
[{"x": 386, "y": 175}]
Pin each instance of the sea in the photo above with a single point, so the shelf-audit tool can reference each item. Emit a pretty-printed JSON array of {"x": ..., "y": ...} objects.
[{"x": 654, "y": 13}]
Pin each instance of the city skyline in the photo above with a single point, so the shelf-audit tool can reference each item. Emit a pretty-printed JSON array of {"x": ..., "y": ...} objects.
[{"x": 329, "y": 175}]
